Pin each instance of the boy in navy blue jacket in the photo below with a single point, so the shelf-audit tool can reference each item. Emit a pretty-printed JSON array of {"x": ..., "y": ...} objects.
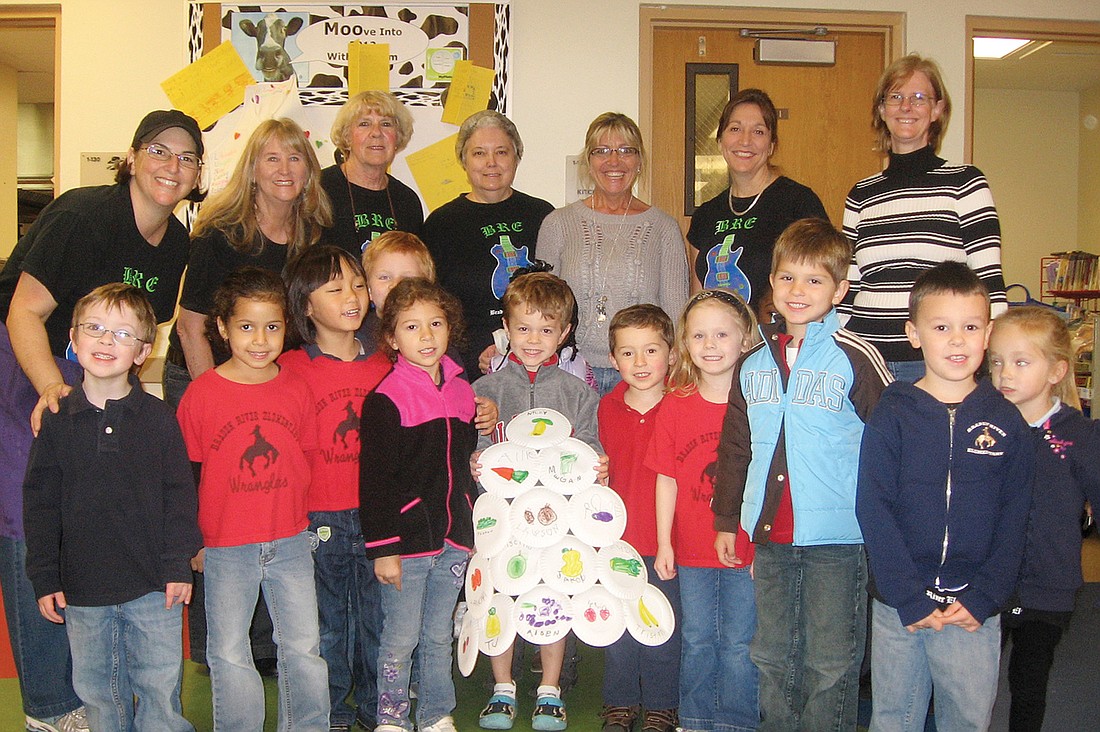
[{"x": 943, "y": 497}]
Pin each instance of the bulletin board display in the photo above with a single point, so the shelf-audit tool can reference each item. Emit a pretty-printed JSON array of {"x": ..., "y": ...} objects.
[{"x": 298, "y": 56}]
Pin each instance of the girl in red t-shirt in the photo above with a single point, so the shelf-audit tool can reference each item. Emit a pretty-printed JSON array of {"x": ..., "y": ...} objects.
[
  {"x": 251, "y": 428},
  {"x": 718, "y": 681},
  {"x": 326, "y": 303}
]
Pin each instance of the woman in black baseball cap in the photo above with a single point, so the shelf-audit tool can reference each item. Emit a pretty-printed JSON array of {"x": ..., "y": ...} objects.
[{"x": 85, "y": 238}]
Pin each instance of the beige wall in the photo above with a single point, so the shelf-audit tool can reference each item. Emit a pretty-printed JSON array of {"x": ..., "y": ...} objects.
[
  {"x": 1088, "y": 187},
  {"x": 35, "y": 140},
  {"x": 9, "y": 120},
  {"x": 1026, "y": 143}
]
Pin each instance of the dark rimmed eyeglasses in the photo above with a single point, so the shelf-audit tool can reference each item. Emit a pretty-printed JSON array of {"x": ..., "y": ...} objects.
[{"x": 161, "y": 154}]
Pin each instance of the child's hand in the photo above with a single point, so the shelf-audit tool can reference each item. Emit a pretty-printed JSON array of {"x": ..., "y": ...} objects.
[
  {"x": 485, "y": 360},
  {"x": 487, "y": 415},
  {"x": 665, "y": 563},
  {"x": 957, "y": 614},
  {"x": 49, "y": 605},
  {"x": 198, "y": 562},
  {"x": 724, "y": 545},
  {"x": 934, "y": 621},
  {"x": 602, "y": 470},
  {"x": 388, "y": 570},
  {"x": 176, "y": 593},
  {"x": 475, "y": 465}
]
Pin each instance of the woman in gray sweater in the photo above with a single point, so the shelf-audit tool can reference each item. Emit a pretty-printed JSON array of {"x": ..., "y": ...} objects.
[{"x": 612, "y": 248}]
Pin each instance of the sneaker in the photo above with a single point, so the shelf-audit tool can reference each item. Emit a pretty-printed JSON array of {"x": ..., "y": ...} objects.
[
  {"x": 618, "y": 719},
  {"x": 74, "y": 721},
  {"x": 339, "y": 727},
  {"x": 660, "y": 720},
  {"x": 499, "y": 713},
  {"x": 549, "y": 714},
  {"x": 389, "y": 728},
  {"x": 444, "y": 724}
]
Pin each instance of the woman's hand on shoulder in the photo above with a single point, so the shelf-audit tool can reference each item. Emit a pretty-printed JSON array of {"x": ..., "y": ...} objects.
[{"x": 50, "y": 399}]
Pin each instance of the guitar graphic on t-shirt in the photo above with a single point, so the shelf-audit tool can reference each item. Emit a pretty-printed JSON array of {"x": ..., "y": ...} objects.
[
  {"x": 723, "y": 272},
  {"x": 509, "y": 259}
]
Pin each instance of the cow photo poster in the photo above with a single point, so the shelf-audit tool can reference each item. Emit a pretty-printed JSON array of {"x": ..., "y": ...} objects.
[{"x": 298, "y": 56}]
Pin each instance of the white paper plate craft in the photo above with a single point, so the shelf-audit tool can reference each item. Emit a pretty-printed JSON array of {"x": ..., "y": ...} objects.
[
  {"x": 538, "y": 428},
  {"x": 539, "y": 517},
  {"x": 621, "y": 570},
  {"x": 649, "y": 618},
  {"x": 498, "y": 627},
  {"x": 568, "y": 465},
  {"x": 516, "y": 569},
  {"x": 468, "y": 638},
  {"x": 597, "y": 515},
  {"x": 543, "y": 615},
  {"x": 599, "y": 617},
  {"x": 569, "y": 566},
  {"x": 492, "y": 524},
  {"x": 508, "y": 468},
  {"x": 479, "y": 586}
]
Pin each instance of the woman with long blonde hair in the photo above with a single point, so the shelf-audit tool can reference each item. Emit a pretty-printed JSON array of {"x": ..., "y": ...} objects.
[{"x": 272, "y": 209}]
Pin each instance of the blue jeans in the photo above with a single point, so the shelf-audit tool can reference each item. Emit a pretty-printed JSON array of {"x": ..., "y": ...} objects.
[
  {"x": 905, "y": 667},
  {"x": 718, "y": 682},
  {"x": 40, "y": 648},
  {"x": 125, "y": 651},
  {"x": 907, "y": 371},
  {"x": 350, "y": 604},
  {"x": 647, "y": 675},
  {"x": 810, "y": 630},
  {"x": 419, "y": 617},
  {"x": 606, "y": 378},
  {"x": 283, "y": 570}
]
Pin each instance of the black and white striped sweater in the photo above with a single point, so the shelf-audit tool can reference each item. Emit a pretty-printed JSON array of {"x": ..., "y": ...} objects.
[{"x": 918, "y": 212}]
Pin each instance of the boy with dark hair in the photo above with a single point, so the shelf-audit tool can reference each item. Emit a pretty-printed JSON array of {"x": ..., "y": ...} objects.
[
  {"x": 943, "y": 498},
  {"x": 635, "y": 675},
  {"x": 787, "y": 467},
  {"x": 537, "y": 310},
  {"x": 111, "y": 515}
]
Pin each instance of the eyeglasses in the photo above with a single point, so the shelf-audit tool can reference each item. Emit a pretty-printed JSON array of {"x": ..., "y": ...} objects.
[
  {"x": 162, "y": 155},
  {"x": 122, "y": 337},
  {"x": 920, "y": 99},
  {"x": 605, "y": 152}
]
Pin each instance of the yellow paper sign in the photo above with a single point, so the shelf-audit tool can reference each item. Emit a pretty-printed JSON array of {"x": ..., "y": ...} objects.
[
  {"x": 469, "y": 92},
  {"x": 368, "y": 67},
  {"x": 438, "y": 175},
  {"x": 211, "y": 87}
]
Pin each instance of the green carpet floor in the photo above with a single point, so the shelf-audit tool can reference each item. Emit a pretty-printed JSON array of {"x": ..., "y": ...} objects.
[{"x": 583, "y": 703}]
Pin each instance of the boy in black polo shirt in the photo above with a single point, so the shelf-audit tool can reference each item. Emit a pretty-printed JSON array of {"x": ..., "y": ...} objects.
[{"x": 111, "y": 519}]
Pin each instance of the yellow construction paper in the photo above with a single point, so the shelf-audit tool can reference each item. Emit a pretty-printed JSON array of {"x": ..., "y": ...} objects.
[
  {"x": 438, "y": 175},
  {"x": 211, "y": 87},
  {"x": 469, "y": 92},
  {"x": 368, "y": 67}
]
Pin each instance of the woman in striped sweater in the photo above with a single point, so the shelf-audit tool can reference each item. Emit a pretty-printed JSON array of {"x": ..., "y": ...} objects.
[{"x": 916, "y": 213}]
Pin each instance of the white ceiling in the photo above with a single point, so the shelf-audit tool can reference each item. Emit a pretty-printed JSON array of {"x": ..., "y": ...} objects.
[
  {"x": 1060, "y": 66},
  {"x": 30, "y": 52}
]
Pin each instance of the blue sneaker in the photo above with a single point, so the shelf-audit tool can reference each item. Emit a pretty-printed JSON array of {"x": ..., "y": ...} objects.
[
  {"x": 499, "y": 713},
  {"x": 549, "y": 715}
]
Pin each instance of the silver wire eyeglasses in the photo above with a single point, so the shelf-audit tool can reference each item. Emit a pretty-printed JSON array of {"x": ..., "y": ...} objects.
[
  {"x": 919, "y": 99},
  {"x": 162, "y": 154},
  {"x": 122, "y": 337},
  {"x": 605, "y": 152}
]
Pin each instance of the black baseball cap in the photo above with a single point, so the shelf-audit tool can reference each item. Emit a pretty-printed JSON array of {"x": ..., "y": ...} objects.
[{"x": 157, "y": 122}]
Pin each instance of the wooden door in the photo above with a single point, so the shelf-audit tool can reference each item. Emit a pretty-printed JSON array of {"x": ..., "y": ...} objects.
[{"x": 825, "y": 139}]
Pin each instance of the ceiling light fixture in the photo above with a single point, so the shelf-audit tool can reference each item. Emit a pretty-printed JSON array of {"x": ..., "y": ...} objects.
[{"x": 997, "y": 48}]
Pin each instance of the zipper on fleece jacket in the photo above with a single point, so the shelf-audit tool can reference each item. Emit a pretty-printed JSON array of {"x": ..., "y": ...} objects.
[{"x": 950, "y": 460}]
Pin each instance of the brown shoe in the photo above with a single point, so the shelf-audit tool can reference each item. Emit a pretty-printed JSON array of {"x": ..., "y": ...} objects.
[
  {"x": 619, "y": 719},
  {"x": 660, "y": 720}
]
